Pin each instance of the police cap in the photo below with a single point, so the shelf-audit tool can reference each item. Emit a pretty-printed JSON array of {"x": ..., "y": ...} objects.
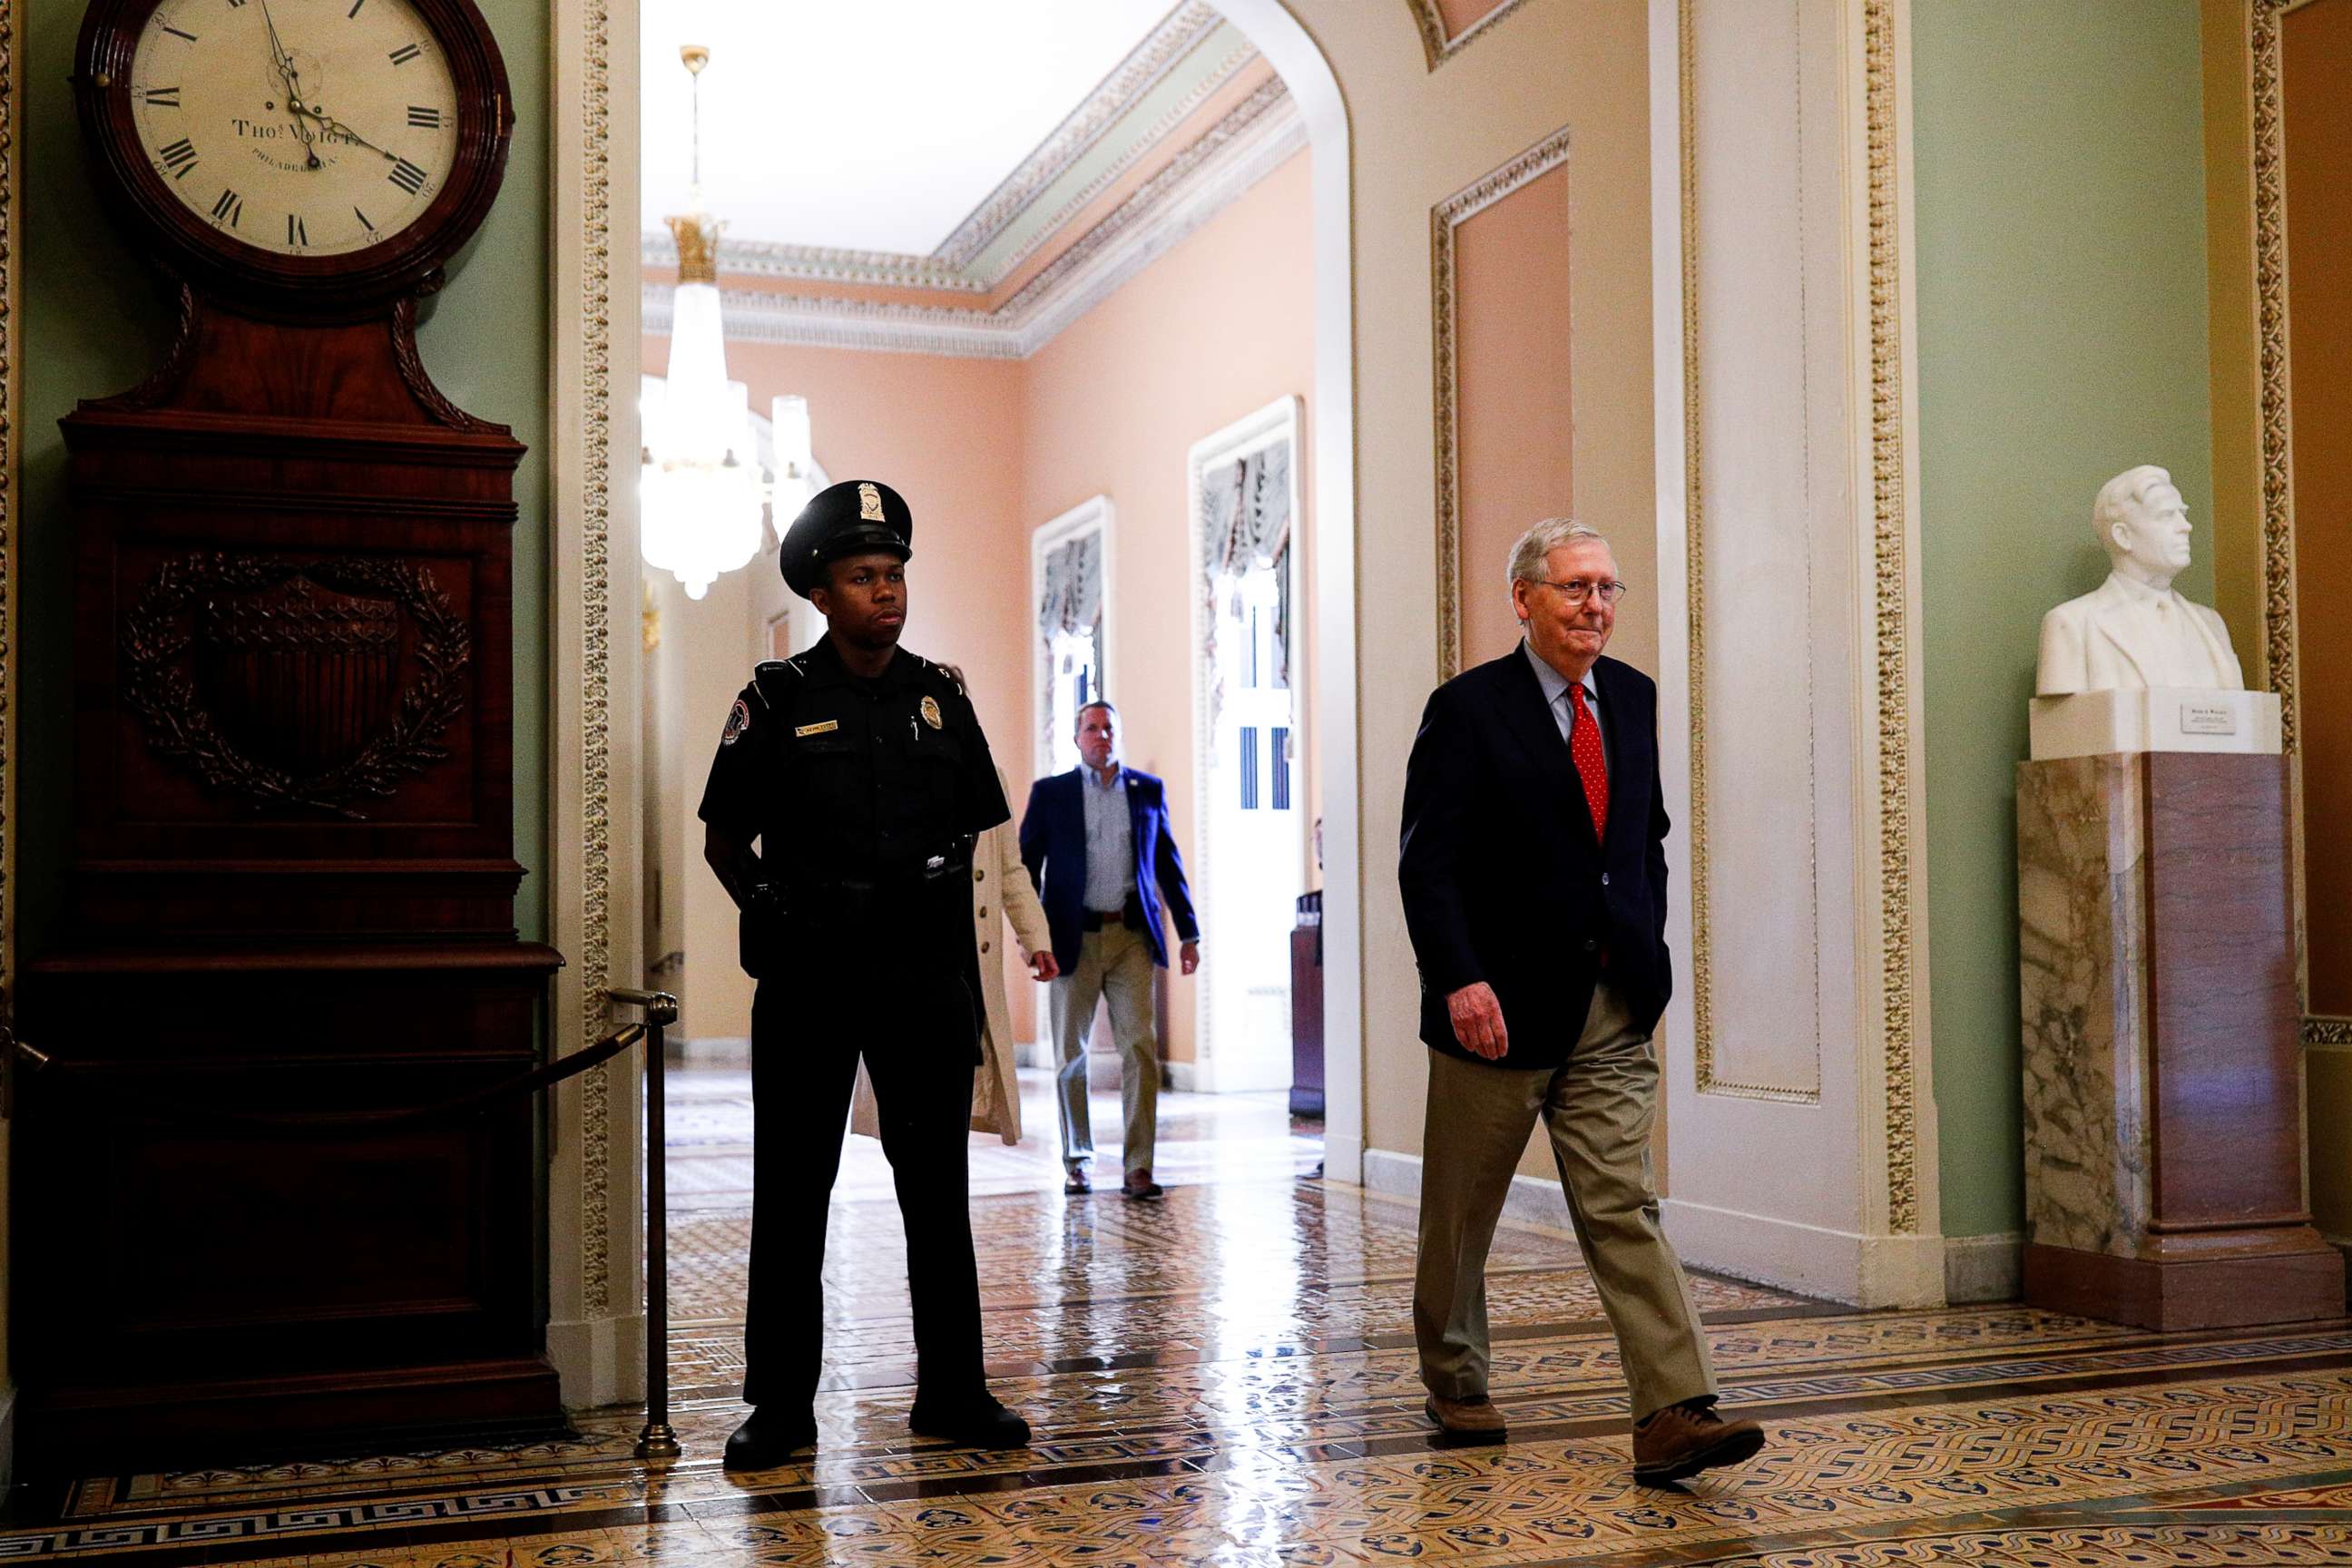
[{"x": 851, "y": 518}]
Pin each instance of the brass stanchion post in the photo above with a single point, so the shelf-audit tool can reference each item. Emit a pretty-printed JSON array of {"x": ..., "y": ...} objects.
[{"x": 657, "y": 1440}]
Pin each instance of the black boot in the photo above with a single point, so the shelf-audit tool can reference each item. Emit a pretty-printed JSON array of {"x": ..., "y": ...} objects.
[
  {"x": 769, "y": 1438},
  {"x": 976, "y": 1422}
]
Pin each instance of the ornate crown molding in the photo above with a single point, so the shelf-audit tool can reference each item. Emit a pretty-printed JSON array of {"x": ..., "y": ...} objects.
[
  {"x": 1180, "y": 32},
  {"x": 1262, "y": 132},
  {"x": 1444, "y": 218},
  {"x": 2322, "y": 1030},
  {"x": 1436, "y": 45},
  {"x": 816, "y": 264},
  {"x": 951, "y": 267},
  {"x": 2277, "y": 415}
]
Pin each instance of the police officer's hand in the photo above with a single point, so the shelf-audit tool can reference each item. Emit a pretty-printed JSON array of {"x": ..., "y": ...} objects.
[
  {"x": 1042, "y": 965},
  {"x": 1189, "y": 957}
]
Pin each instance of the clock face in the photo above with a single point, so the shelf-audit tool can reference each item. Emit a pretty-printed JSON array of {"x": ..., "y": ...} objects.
[{"x": 299, "y": 127}]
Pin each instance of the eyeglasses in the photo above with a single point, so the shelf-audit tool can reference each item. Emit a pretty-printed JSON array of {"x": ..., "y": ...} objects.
[{"x": 1577, "y": 590}]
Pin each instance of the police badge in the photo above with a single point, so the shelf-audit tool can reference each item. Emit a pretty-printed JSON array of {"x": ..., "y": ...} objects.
[{"x": 930, "y": 713}]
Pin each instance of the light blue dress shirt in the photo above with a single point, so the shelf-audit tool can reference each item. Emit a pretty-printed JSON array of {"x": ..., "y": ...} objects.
[
  {"x": 1110, "y": 840},
  {"x": 1555, "y": 691}
]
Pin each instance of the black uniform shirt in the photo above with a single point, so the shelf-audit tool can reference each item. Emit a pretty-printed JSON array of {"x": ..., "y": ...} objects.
[{"x": 844, "y": 779}]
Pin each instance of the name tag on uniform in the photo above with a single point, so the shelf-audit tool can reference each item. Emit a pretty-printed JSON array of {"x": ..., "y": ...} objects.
[{"x": 826, "y": 728}]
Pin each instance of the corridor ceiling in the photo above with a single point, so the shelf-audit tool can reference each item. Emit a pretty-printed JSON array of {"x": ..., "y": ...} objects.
[{"x": 878, "y": 126}]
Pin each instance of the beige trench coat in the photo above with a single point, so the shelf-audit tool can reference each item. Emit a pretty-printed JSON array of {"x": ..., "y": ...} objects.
[{"x": 1001, "y": 891}]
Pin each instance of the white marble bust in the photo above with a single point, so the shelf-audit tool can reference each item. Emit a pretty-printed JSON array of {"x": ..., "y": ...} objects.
[{"x": 2132, "y": 630}]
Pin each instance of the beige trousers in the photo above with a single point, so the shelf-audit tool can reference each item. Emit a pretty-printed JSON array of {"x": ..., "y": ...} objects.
[
  {"x": 1114, "y": 963},
  {"x": 1598, "y": 1108}
]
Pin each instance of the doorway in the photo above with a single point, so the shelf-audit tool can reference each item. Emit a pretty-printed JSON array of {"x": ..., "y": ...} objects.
[
  {"x": 594, "y": 777},
  {"x": 1249, "y": 690}
]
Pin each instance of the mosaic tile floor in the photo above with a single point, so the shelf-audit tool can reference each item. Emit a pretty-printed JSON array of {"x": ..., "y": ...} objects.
[{"x": 1228, "y": 1378}]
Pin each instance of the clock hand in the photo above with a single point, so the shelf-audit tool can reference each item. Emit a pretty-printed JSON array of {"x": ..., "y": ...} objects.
[
  {"x": 284, "y": 63},
  {"x": 330, "y": 124}
]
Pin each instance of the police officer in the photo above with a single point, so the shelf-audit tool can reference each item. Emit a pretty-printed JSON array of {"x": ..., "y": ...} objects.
[{"x": 862, "y": 771}]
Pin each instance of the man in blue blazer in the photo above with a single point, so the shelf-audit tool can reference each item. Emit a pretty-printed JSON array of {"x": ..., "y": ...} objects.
[
  {"x": 1098, "y": 844},
  {"x": 1534, "y": 875}
]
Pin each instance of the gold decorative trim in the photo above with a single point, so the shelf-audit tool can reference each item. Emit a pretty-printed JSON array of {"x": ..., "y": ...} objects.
[
  {"x": 1695, "y": 565},
  {"x": 11, "y": 384},
  {"x": 1702, "y": 948},
  {"x": 595, "y": 955},
  {"x": 2270, "y": 292},
  {"x": 1882, "y": 80},
  {"x": 2322, "y": 1030},
  {"x": 1444, "y": 218},
  {"x": 1436, "y": 45}
]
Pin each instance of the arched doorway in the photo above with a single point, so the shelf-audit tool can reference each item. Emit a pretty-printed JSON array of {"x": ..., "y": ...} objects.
[{"x": 595, "y": 778}]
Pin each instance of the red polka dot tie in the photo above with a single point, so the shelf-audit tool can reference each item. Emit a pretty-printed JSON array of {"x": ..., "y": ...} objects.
[{"x": 1584, "y": 745}]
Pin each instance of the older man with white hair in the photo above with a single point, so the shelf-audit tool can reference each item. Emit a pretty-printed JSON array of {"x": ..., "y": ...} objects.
[{"x": 1534, "y": 874}]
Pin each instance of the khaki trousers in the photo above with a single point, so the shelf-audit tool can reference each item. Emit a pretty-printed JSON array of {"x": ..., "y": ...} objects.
[
  {"x": 1598, "y": 1108},
  {"x": 1114, "y": 963}
]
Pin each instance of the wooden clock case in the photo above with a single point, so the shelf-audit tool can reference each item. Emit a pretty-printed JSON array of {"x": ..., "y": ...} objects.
[{"x": 293, "y": 881}]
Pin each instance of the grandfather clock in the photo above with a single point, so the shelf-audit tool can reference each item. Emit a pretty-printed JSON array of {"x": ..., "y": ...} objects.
[{"x": 292, "y": 897}]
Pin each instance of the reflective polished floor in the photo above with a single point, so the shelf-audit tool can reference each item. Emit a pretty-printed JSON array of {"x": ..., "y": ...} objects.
[{"x": 1228, "y": 1377}]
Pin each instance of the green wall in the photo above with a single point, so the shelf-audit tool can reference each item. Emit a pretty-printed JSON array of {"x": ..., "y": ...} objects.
[
  {"x": 2062, "y": 339},
  {"x": 95, "y": 322}
]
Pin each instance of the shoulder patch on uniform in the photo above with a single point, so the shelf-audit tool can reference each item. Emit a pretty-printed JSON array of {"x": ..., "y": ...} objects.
[{"x": 739, "y": 719}]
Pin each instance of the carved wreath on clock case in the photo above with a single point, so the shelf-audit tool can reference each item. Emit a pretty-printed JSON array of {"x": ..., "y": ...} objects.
[{"x": 276, "y": 681}]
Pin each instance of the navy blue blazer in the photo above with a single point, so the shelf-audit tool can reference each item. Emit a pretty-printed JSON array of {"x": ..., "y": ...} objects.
[
  {"x": 1054, "y": 847},
  {"x": 1504, "y": 879}
]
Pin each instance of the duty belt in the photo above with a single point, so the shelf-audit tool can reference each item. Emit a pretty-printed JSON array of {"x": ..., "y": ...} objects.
[{"x": 857, "y": 893}]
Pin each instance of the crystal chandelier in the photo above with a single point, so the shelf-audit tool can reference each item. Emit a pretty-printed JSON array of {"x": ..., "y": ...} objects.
[{"x": 702, "y": 491}]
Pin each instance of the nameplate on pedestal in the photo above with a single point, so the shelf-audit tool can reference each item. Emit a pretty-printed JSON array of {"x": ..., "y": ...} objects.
[{"x": 2155, "y": 718}]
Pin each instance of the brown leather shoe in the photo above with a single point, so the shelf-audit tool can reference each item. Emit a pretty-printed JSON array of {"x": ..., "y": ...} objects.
[
  {"x": 1678, "y": 1442},
  {"x": 1467, "y": 1417},
  {"x": 1079, "y": 1184},
  {"x": 1140, "y": 1184}
]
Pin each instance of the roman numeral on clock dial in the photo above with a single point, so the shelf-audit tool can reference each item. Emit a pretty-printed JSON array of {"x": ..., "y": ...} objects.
[
  {"x": 407, "y": 176},
  {"x": 405, "y": 53},
  {"x": 297, "y": 231},
  {"x": 426, "y": 119},
  {"x": 179, "y": 157},
  {"x": 229, "y": 208},
  {"x": 162, "y": 98}
]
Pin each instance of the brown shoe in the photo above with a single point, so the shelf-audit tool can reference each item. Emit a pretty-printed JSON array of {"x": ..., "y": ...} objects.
[
  {"x": 1678, "y": 1442},
  {"x": 1467, "y": 1417},
  {"x": 1079, "y": 1184},
  {"x": 1140, "y": 1184}
]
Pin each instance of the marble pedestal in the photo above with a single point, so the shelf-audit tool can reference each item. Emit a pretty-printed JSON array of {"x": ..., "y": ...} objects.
[{"x": 2164, "y": 1150}]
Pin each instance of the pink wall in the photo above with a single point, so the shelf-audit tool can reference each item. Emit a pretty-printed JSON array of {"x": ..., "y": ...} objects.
[
  {"x": 1215, "y": 329},
  {"x": 1512, "y": 407},
  {"x": 985, "y": 450},
  {"x": 944, "y": 433}
]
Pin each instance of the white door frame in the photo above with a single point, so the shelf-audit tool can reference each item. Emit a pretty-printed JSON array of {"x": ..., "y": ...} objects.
[
  {"x": 1275, "y": 423},
  {"x": 1094, "y": 515}
]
